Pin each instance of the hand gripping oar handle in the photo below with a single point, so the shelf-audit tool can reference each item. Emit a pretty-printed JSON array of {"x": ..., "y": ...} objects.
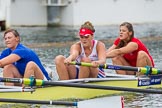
[
  {"x": 145, "y": 70},
  {"x": 81, "y": 64}
]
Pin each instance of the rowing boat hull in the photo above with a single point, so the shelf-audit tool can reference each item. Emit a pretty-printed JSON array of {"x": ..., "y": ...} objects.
[{"x": 66, "y": 93}]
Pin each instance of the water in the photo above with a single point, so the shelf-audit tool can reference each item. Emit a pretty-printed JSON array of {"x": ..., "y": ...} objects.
[
  {"x": 50, "y": 42},
  {"x": 143, "y": 101}
]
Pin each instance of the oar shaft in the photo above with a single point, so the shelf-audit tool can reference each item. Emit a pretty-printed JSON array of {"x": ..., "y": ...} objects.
[
  {"x": 38, "y": 82},
  {"x": 92, "y": 86},
  {"x": 106, "y": 66},
  {"x": 144, "y": 70},
  {"x": 116, "y": 67},
  {"x": 16, "y": 90},
  {"x": 15, "y": 80},
  {"x": 10, "y": 87},
  {"x": 38, "y": 102}
]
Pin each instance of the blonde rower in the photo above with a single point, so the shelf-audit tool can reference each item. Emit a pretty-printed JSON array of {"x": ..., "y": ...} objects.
[{"x": 85, "y": 50}]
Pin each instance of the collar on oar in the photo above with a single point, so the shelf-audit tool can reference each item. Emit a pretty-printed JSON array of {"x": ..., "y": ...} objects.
[
  {"x": 148, "y": 70},
  {"x": 32, "y": 81}
]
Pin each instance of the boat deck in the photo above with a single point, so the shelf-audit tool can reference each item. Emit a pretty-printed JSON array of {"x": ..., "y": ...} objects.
[{"x": 75, "y": 93}]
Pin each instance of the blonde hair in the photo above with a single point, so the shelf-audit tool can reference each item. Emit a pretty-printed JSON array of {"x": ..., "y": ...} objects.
[
  {"x": 88, "y": 25},
  {"x": 13, "y": 31}
]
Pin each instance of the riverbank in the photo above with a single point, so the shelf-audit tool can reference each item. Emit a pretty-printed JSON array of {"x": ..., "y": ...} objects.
[{"x": 69, "y": 43}]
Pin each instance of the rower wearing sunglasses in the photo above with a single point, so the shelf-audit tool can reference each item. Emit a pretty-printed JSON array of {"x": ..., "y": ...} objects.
[{"x": 85, "y": 50}]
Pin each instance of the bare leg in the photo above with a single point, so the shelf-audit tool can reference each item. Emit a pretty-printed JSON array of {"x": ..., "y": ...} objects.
[
  {"x": 11, "y": 72},
  {"x": 119, "y": 60},
  {"x": 87, "y": 72},
  {"x": 93, "y": 72},
  {"x": 32, "y": 69},
  {"x": 65, "y": 72},
  {"x": 143, "y": 59},
  {"x": 84, "y": 72}
]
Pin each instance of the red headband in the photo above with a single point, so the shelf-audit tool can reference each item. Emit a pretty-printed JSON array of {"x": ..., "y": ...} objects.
[{"x": 85, "y": 32}]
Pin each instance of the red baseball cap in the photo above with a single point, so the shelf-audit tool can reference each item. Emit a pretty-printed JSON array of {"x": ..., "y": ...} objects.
[{"x": 85, "y": 32}]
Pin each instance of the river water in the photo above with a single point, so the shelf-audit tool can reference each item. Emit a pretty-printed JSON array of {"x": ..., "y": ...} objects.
[{"x": 49, "y": 42}]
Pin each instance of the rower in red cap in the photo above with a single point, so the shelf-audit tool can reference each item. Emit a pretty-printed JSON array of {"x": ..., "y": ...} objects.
[{"x": 86, "y": 50}]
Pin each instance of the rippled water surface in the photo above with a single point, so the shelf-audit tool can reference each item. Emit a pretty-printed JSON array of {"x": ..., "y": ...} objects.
[{"x": 49, "y": 42}]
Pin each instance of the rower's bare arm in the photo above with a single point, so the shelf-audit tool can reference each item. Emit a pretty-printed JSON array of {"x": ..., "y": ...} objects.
[
  {"x": 111, "y": 48},
  {"x": 101, "y": 50},
  {"x": 9, "y": 60},
  {"x": 130, "y": 47},
  {"x": 74, "y": 51}
]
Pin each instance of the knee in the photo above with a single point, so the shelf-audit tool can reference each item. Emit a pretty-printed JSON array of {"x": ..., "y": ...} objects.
[
  {"x": 117, "y": 58},
  {"x": 59, "y": 59},
  {"x": 142, "y": 54},
  {"x": 30, "y": 65},
  {"x": 7, "y": 68}
]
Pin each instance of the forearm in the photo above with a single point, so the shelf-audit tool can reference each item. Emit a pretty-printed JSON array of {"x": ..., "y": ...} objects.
[
  {"x": 1, "y": 65},
  {"x": 102, "y": 61},
  {"x": 74, "y": 52},
  {"x": 113, "y": 53},
  {"x": 72, "y": 57}
]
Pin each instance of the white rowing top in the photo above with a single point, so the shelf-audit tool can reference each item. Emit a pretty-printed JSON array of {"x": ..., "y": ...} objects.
[{"x": 93, "y": 56}]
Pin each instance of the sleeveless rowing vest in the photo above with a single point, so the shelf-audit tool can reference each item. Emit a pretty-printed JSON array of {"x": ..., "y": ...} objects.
[{"x": 93, "y": 56}]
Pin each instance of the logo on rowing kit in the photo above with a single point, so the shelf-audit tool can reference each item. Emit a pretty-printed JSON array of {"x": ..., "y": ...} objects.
[{"x": 153, "y": 80}]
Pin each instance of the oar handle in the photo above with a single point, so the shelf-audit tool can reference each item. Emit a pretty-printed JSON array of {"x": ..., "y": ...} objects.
[
  {"x": 81, "y": 63},
  {"x": 145, "y": 70}
]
